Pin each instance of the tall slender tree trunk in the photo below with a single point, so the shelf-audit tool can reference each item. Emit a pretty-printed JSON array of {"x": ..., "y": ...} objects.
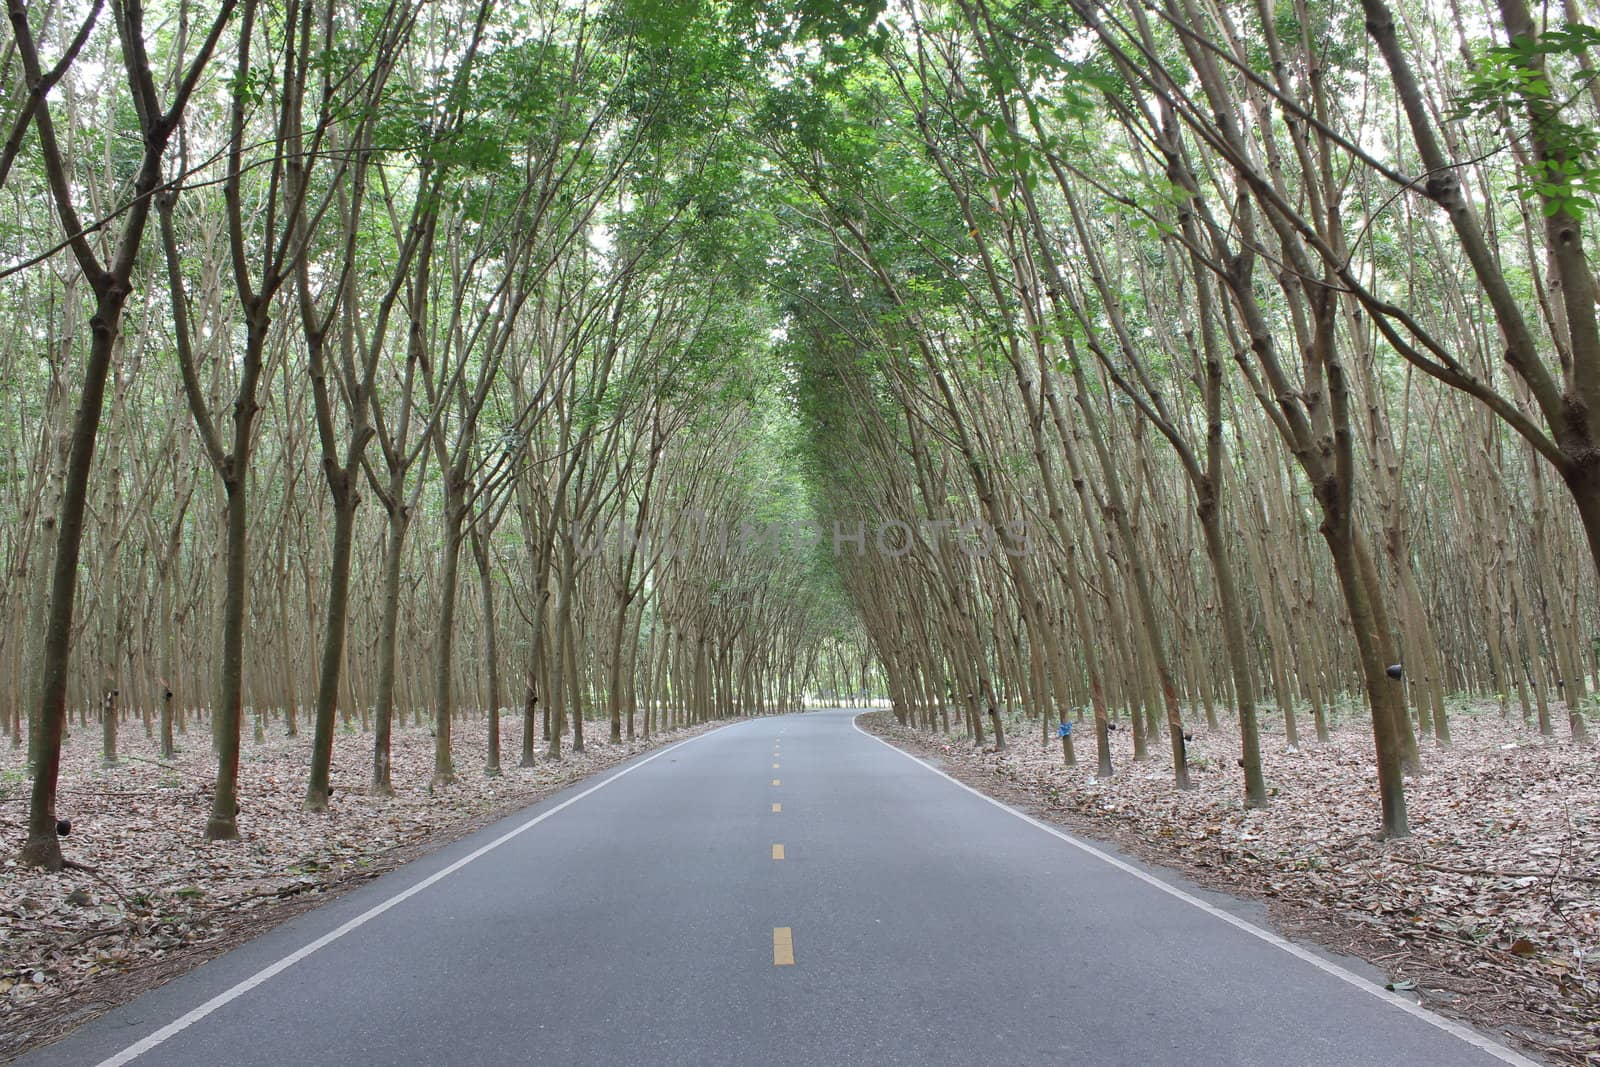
[
  {"x": 388, "y": 628},
  {"x": 229, "y": 711},
  {"x": 1382, "y": 691},
  {"x": 444, "y": 643},
  {"x": 491, "y": 649},
  {"x": 619, "y": 629},
  {"x": 42, "y": 849},
  {"x": 1233, "y": 639},
  {"x": 333, "y": 639}
]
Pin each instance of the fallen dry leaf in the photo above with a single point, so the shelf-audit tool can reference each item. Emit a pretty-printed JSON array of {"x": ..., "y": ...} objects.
[
  {"x": 1492, "y": 905},
  {"x": 74, "y": 943}
]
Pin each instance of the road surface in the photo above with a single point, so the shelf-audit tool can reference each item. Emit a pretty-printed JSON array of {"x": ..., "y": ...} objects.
[{"x": 783, "y": 890}]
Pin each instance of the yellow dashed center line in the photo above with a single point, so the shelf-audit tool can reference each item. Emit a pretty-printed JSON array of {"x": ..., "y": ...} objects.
[{"x": 782, "y": 936}]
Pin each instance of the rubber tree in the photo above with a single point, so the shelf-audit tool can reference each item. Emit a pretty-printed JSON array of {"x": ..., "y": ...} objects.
[{"x": 109, "y": 275}]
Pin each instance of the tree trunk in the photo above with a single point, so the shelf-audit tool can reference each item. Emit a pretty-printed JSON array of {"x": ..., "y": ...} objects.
[
  {"x": 444, "y": 656},
  {"x": 491, "y": 649},
  {"x": 388, "y": 627},
  {"x": 333, "y": 638},
  {"x": 42, "y": 849},
  {"x": 1233, "y": 639}
]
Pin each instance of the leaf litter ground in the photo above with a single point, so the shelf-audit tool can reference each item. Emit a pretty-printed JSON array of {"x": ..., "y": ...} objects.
[
  {"x": 1490, "y": 911},
  {"x": 160, "y": 900}
]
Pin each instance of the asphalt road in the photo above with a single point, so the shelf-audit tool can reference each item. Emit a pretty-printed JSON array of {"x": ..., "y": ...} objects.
[{"x": 645, "y": 918}]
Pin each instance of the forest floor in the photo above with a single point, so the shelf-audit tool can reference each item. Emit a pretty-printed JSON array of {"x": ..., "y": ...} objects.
[
  {"x": 1490, "y": 911},
  {"x": 161, "y": 901}
]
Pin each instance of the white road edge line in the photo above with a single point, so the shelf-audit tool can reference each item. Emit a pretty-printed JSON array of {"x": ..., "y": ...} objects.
[
  {"x": 1455, "y": 1029},
  {"x": 188, "y": 1019}
]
